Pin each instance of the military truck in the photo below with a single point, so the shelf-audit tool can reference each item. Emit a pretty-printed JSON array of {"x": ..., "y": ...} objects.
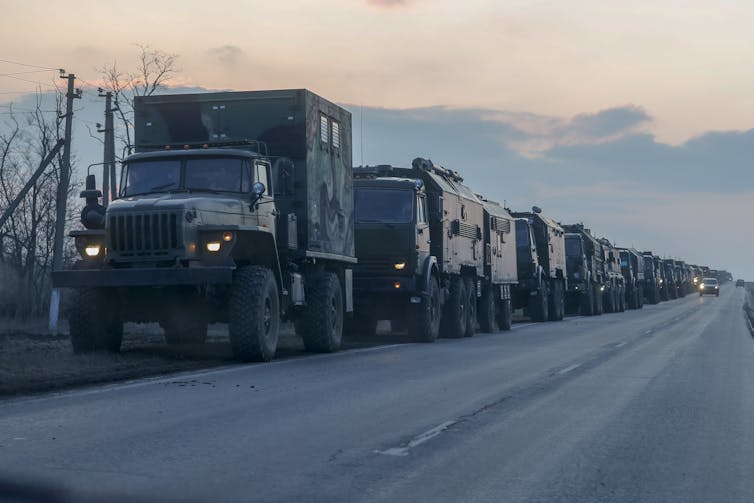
[
  {"x": 237, "y": 207},
  {"x": 540, "y": 249},
  {"x": 585, "y": 271},
  {"x": 671, "y": 282},
  {"x": 652, "y": 278},
  {"x": 632, "y": 262},
  {"x": 614, "y": 297},
  {"x": 420, "y": 243}
]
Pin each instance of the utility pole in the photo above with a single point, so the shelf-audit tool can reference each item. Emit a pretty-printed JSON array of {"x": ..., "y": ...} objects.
[
  {"x": 62, "y": 196},
  {"x": 108, "y": 166}
]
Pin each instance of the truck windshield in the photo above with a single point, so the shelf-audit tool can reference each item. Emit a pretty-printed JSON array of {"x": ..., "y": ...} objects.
[
  {"x": 143, "y": 177},
  {"x": 522, "y": 234},
  {"x": 573, "y": 247},
  {"x": 227, "y": 174},
  {"x": 392, "y": 206}
]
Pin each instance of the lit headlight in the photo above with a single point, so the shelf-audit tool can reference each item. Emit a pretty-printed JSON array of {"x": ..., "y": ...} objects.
[
  {"x": 399, "y": 266},
  {"x": 602, "y": 288},
  {"x": 213, "y": 246},
  {"x": 92, "y": 250}
]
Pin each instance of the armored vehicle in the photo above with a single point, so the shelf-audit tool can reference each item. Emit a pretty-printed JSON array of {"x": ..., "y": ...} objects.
[
  {"x": 237, "y": 207},
  {"x": 420, "y": 243},
  {"x": 632, "y": 268},
  {"x": 652, "y": 278},
  {"x": 585, "y": 271},
  {"x": 540, "y": 249}
]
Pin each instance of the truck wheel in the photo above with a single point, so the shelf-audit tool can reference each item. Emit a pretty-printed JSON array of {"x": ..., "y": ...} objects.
[
  {"x": 424, "y": 325},
  {"x": 487, "y": 306},
  {"x": 94, "y": 325},
  {"x": 254, "y": 314},
  {"x": 557, "y": 306},
  {"x": 539, "y": 309},
  {"x": 505, "y": 315},
  {"x": 363, "y": 325},
  {"x": 454, "y": 316},
  {"x": 622, "y": 300},
  {"x": 323, "y": 314},
  {"x": 188, "y": 330},
  {"x": 598, "y": 306},
  {"x": 471, "y": 310}
]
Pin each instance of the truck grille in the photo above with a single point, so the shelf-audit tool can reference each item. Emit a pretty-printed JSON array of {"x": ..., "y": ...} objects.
[{"x": 144, "y": 234}]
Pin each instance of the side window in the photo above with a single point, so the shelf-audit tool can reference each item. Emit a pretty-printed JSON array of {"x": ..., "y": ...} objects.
[
  {"x": 263, "y": 172},
  {"x": 324, "y": 129},
  {"x": 421, "y": 210}
]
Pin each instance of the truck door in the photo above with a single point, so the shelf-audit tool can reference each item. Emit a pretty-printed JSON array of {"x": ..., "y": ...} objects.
[
  {"x": 265, "y": 211},
  {"x": 422, "y": 227}
]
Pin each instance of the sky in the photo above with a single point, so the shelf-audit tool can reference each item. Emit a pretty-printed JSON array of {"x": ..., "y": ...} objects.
[{"x": 634, "y": 117}]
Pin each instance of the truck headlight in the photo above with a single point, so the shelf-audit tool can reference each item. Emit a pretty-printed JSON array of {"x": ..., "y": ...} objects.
[
  {"x": 213, "y": 246},
  {"x": 92, "y": 250},
  {"x": 399, "y": 266}
]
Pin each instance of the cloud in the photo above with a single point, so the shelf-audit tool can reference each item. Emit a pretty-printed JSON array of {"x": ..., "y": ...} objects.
[
  {"x": 228, "y": 54},
  {"x": 389, "y": 3}
]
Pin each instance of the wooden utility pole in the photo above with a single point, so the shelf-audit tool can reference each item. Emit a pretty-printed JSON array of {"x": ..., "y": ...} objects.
[
  {"x": 108, "y": 166},
  {"x": 62, "y": 197}
]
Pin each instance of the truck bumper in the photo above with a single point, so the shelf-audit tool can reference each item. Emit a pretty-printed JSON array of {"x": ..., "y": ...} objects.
[{"x": 219, "y": 275}]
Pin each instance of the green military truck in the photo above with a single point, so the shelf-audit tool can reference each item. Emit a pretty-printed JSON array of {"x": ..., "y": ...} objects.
[
  {"x": 237, "y": 207},
  {"x": 420, "y": 243},
  {"x": 585, "y": 270},
  {"x": 541, "y": 260}
]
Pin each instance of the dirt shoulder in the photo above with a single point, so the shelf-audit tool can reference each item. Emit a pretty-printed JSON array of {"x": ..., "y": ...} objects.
[{"x": 32, "y": 360}]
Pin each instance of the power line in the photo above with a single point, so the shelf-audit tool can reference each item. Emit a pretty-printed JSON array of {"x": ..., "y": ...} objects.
[
  {"x": 30, "y": 66},
  {"x": 27, "y": 80},
  {"x": 22, "y": 73}
]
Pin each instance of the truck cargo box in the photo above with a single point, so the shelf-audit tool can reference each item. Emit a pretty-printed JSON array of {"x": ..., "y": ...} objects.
[{"x": 306, "y": 138}]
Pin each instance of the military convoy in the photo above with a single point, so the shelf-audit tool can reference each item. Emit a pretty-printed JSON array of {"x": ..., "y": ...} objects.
[{"x": 244, "y": 208}]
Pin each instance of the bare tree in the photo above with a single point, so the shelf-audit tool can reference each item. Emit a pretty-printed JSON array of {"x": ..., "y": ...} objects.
[
  {"x": 154, "y": 71},
  {"x": 26, "y": 239}
]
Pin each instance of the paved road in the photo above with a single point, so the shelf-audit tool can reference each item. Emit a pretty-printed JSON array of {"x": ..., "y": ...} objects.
[{"x": 651, "y": 405}]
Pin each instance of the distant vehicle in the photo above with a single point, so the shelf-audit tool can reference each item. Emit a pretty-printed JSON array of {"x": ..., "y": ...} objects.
[
  {"x": 740, "y": 282},
  {"x": 709, "y": 286}
]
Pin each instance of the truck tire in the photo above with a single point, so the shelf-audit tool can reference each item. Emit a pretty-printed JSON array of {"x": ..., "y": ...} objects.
[
  {"x": 609, "y": 301},
  {"x": 360, "y": 325},
  {"x": 622, "y": 299},
  {"x": 540, "y": 304},
  {"x": 323, "y": 315},
  {"x": 94, "y": 324},
  {"x": 472, "y": 305},
  {"x": 254, "y": 314},
  {"x": 455, "y": 315},
  {"x": 505, "y": 315},
  {"x": 557, "y": 301},
  {"x": 186, "y": 330},
  {"x": 424, "y": 324},
  {"x": 487, "y": 309}
]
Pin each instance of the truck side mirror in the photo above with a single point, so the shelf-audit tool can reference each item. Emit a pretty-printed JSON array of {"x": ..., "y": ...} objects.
[{"x": 257, "y": 190}]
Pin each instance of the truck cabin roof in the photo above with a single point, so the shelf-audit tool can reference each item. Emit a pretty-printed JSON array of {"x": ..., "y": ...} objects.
[
  {"x": 194, "y": 152},
  {"x": 388, "y": 182}
]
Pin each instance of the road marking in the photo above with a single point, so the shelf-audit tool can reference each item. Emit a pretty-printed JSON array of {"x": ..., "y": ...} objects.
[
  {"x": 524, "y": 325},
  {"x": 417, "y": 441},
  {"x": 621, "y": 344},
  {"x": 648, "y": 332},
  {"x": 568, "y": 369}
]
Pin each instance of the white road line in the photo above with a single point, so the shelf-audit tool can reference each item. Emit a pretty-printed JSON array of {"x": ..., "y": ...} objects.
[
  {"x": 418, "y": 440},
  {"x": 568, "y": 369},
  {"x": 648, "y": 332},
  {"x": 620, "y": 345},
  {"x": 523, "y": 325}
]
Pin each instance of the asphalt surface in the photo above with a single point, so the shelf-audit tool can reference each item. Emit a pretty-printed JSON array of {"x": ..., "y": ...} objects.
[{"x": 650, "y": 405}]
